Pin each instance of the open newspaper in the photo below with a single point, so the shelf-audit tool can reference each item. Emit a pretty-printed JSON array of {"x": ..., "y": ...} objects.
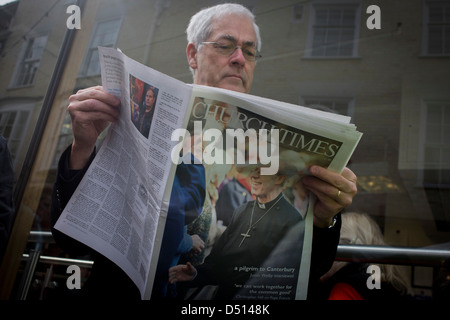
[{"x": 121, "y": 206}]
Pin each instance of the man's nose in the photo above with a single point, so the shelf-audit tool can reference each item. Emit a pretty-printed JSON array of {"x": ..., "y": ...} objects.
[
  {"x": 237, "y": 57},
  {"x": 256, "y": 173}
]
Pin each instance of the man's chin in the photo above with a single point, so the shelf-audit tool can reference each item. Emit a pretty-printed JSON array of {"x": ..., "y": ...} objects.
[{"x": 234, "y": 85}]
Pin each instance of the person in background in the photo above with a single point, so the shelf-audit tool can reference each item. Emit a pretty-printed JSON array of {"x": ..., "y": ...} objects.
[{"x": 348, "y": 280}]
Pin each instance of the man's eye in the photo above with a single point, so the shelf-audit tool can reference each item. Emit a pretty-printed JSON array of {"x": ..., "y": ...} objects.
[
  {"x": 250, "y": 53},
  {"x": 224, "y": 46}
]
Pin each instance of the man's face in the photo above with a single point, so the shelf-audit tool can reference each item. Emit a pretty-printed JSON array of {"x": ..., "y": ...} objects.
[
  {"x": 265, "y": 187},
  {"x": 231, "y": 72},
  {"x": 149, "y": 98}
]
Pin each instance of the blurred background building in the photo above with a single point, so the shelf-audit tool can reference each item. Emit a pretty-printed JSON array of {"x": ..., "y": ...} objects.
[{"x": 393, "y": 81}]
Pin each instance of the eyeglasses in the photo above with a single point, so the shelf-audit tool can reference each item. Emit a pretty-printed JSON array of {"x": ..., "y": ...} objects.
[{"x": 228, "y": 47}]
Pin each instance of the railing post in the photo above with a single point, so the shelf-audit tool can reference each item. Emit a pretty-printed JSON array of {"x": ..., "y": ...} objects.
[{"x": 28, "y": 275}]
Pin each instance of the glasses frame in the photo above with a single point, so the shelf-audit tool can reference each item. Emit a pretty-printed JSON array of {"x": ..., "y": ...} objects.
[{"x": 217, "y": 45}]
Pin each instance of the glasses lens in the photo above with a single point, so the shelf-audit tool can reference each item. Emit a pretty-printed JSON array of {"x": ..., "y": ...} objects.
[
  {"x": 227, "y": 47},
  {"x": 249, "y": 52}
]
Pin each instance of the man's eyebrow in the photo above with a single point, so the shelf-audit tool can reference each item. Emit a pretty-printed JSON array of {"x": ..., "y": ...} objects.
[{"x": 231, "y": 38}]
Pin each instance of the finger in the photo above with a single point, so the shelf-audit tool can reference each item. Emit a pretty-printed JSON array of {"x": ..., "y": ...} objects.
[
  {"x": 328, "y": 194},
  {"x": 90, "y": 88},
  {"x": 345, "y": 182},
  {"x": 332, "y": 178},
  {"x": 173, "y": 273},
  {"x": 172, "y": 278},
  {"x": 334, "y": 200},
  {"x": 85, "y": 118},
  {"x": 94, "y": 99},
  {"x": 349, "y": 175},
  {"x": 325, "y": 209},
  {"x": 93, "y": 108},
  {"x": 190, "y": 269},
  {"x": 97, "y": 93}
]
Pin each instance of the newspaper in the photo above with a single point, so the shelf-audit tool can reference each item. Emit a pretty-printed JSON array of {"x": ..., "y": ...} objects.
[{"x": 121, "y": 206}]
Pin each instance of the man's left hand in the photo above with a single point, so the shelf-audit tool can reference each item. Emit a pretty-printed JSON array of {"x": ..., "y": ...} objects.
[{"x": 334, "y": 192}]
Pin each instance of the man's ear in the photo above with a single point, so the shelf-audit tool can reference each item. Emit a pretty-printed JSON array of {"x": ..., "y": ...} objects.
[
  {"x": 280, "y": 179},
  {"x": 191, "y": 53}
]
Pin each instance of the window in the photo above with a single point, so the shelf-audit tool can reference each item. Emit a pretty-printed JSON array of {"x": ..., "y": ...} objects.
[
  {"x": 105, "y": 35},
  {"x": 437, "y": 28},
  {"x": 436, "y": 156},
  {"x": 334, "y": 30},
  {"x": 436, "y": 151},
  {"x": 28, "y": 63},
  {"x": 13, "y": 127}
]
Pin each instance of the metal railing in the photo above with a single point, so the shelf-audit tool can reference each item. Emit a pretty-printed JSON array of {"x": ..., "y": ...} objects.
[
  {"x": 363, "y": 253},
  {"x": 394, "y": 255}
]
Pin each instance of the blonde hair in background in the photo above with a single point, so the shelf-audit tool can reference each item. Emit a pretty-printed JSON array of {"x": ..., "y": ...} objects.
[{"x": 361, "y": 229}]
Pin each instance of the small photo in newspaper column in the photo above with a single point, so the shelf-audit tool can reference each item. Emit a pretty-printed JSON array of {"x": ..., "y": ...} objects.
[{"x": 143, "y": 100}]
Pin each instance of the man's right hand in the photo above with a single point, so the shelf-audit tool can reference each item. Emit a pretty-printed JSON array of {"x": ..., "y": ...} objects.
[{"x": 91, "y": 111}]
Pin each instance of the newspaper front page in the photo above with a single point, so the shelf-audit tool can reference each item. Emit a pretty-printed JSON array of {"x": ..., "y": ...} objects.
[{"x": 121, "y": 206}]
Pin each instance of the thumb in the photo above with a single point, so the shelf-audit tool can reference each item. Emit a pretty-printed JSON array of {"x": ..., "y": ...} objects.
[{"x": 190, "y": 268}]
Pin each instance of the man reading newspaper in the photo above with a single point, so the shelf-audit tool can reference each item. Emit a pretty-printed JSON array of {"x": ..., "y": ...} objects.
[{"x": 223, "y": 46}]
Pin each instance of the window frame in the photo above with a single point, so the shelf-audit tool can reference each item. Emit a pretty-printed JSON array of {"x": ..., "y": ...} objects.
[
  {"x": 23, "y": 60},
  {"x": 16, "y": 134},
  {"x": 438, "y": 165},
  {"x": 426, "y": 33},
  {"x": 309, "y": 52},
  {"x": 91, "y": 50}
]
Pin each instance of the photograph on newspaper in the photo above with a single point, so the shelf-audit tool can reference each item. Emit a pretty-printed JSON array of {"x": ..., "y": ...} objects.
[
  {"x": 253, "y": 219},
  {"x": 142, "y": 104}
]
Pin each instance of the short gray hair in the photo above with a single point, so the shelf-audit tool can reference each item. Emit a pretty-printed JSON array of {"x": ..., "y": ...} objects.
[{"x": 200, "y": 26}]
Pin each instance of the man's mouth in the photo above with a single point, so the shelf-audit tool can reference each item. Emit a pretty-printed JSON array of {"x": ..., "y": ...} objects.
[
  {"x": 235, "y": 76},
  {"x": 256, "y": 183}
]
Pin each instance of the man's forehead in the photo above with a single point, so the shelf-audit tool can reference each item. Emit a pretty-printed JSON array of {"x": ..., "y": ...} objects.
[
  {"x": 233, "y": 39},
  {"x": 241, "y": 29}
]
